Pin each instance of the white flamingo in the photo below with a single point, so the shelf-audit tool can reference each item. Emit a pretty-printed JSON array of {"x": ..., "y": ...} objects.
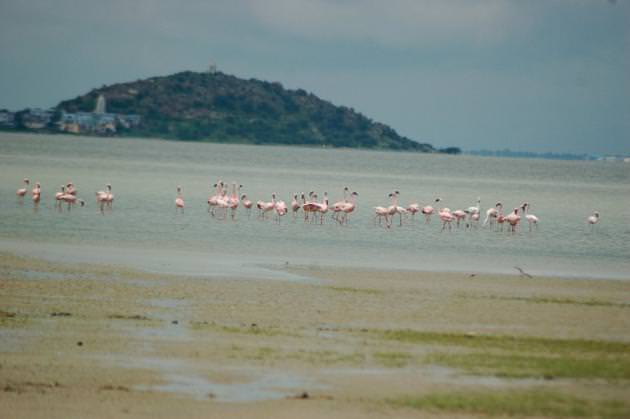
[{"x": 531, "y": 218}]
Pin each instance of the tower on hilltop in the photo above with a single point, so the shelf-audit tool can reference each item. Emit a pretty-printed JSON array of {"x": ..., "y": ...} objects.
[{"x": 101, "y": 105}]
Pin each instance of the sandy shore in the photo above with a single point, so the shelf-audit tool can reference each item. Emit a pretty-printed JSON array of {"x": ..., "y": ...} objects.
[{"x": 106, "y": 342}]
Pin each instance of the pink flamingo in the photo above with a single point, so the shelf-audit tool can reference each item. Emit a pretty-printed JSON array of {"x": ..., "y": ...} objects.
[
  {"x": 473, "y": 213},
  {"x": 213, "y": 200},
  {"x": 474, "y": 220},
  {"x": 223, "y": 202},
  {"x": 383, "y": 212},
  {"x": 101, "y": 196},
  {"x": 394, "y": 208},
  {"x": 309, "y": 206},
  {"x": 265, "y": 207},
  {"x": 233, "y": 200},
  {"x": 501, "y": 217},
  {"x": 179, "y": 200},
  {"x": 322, "y": 207},
  {"x": 492, "y": 214},
  {"x": 59, "y": 195},
  {"x": 247, "y": 204},
  {"x": 531, "y": 218},
  {"x": 105, "y": 198},
  {"x": 513, "y": 219},
  {"x": 281, "y": 208},
  {"x": 70, "y": 189},
  {"x": 593, "y": 219},
  {"x": 295, "y": 205},
  {"x": 380, "y": 213},
  {"x": 22, "y": 191},
  {"x": 349, "y": 208},
  {"x": 36, "y": 194},
  {"x": 428, "y": 211},
  {"x": 336, "y": 207},
  {"x": 447, "y": 218},
  {"x": 71, "y": 200},
  {"x": 413, "y": 209},
  {"x": 459, "y": 216}
]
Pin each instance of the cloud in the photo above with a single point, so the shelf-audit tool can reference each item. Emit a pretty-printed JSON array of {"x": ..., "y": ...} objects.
[{"x": 402, "y": 23}]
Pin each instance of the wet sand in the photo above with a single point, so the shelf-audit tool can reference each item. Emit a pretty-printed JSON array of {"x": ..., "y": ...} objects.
[{"x": 100, "y": 341}]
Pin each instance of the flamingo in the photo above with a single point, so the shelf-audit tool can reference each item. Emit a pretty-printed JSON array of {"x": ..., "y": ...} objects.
[
  {"x": 394, "y": 208},
  {"x": 447, "y": 218},
  {"x": 513, "y": 219},
  {"x": 383, "y": 212},
  {"x": 36, "y": 193},
  {"x": 233, "y": 201},
  {"x": 349, "y": 207},
  {"x": 492, "y": 214},
  {"x": 212, "y": 200},
  {"x": 459, "y": 216},
  {"x": 336, "y": 207},
  {"x": 473, "y": 213},
  {"x": 247, "y": 204},
  {"x": 593, "y": 219},
  {"x": 474, "y": 220},
  {"x": 179, "y": 200},
  {"x": 281, "y": 208},
  {"x": 22, "y": 191},
  {"x": 59, "y": 195},
  {"x": 322, "y": 207},
  {"x": 413, "y": 209},
  {"x": 101, "y": 195},
  {"x": 309, "y": 206},
  {"x": 428, "y": 210},
  {"x": 531, "y": 218},
  {"x": 105, "y": 197},
  {"x": 71, "y": 200},
  {"x": 70, "y": 189},
  {"x": 265, "y": 207},
  {"x": 223, "y": 202},
  {"x": 295, "y": 205},
  {"x": 380, "y": 213}
]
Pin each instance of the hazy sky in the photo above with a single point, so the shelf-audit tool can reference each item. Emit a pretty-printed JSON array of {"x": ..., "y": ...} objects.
[{"x": 536, "y": 75}]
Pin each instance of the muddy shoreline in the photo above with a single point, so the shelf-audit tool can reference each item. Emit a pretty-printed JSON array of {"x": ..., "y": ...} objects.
[{"x": 80, "y": 340}]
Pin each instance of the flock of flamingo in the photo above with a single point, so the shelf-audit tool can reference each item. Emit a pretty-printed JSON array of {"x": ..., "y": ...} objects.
[{"x": 226, "y": 201}]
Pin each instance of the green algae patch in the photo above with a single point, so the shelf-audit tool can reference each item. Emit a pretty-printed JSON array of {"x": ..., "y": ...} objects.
[
  {"x": 393, "y": 359},
  {"x": 556, "y": 300},
  {"x": 357, "y": 290},
  {"x": 527, "y": 366},
  {"x": 507, "y": 343},
  {"x": 537, "y": 403}
]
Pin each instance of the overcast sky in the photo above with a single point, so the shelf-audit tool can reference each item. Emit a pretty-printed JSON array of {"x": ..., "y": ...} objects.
[{"x": 538, "y": 75}]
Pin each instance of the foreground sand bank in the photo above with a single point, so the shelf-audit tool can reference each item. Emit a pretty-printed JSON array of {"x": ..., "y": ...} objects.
[{"x": 98, "y": 341}]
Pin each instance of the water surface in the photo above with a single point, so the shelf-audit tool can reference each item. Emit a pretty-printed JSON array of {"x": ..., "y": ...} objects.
[{"x": 144, "y": 231}]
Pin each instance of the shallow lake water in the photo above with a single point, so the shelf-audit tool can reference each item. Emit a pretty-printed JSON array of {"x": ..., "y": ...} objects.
[{"x": 144, "y": 231}]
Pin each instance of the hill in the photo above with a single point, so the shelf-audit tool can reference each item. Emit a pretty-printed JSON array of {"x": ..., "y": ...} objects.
[{"x": 220, "y": 107}]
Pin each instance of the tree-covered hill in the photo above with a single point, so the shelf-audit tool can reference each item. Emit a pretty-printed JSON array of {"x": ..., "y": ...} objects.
[{"x": 220, "y": 107}]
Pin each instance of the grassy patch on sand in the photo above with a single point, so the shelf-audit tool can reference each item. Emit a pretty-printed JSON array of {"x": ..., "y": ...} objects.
[
  {"x": 516, "y": 403},
  {"x": 357, "y": 290},
  {"x": 393, "y": 359},
  {"x": 252, "y": 329},
  {"x": 556, "y": 300},
  {"x": 10, "y": 319},
  {"x": 527, "y": 366},
  {"x": 508, "y": 343},
  {"x": 323, "y": 357}
]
